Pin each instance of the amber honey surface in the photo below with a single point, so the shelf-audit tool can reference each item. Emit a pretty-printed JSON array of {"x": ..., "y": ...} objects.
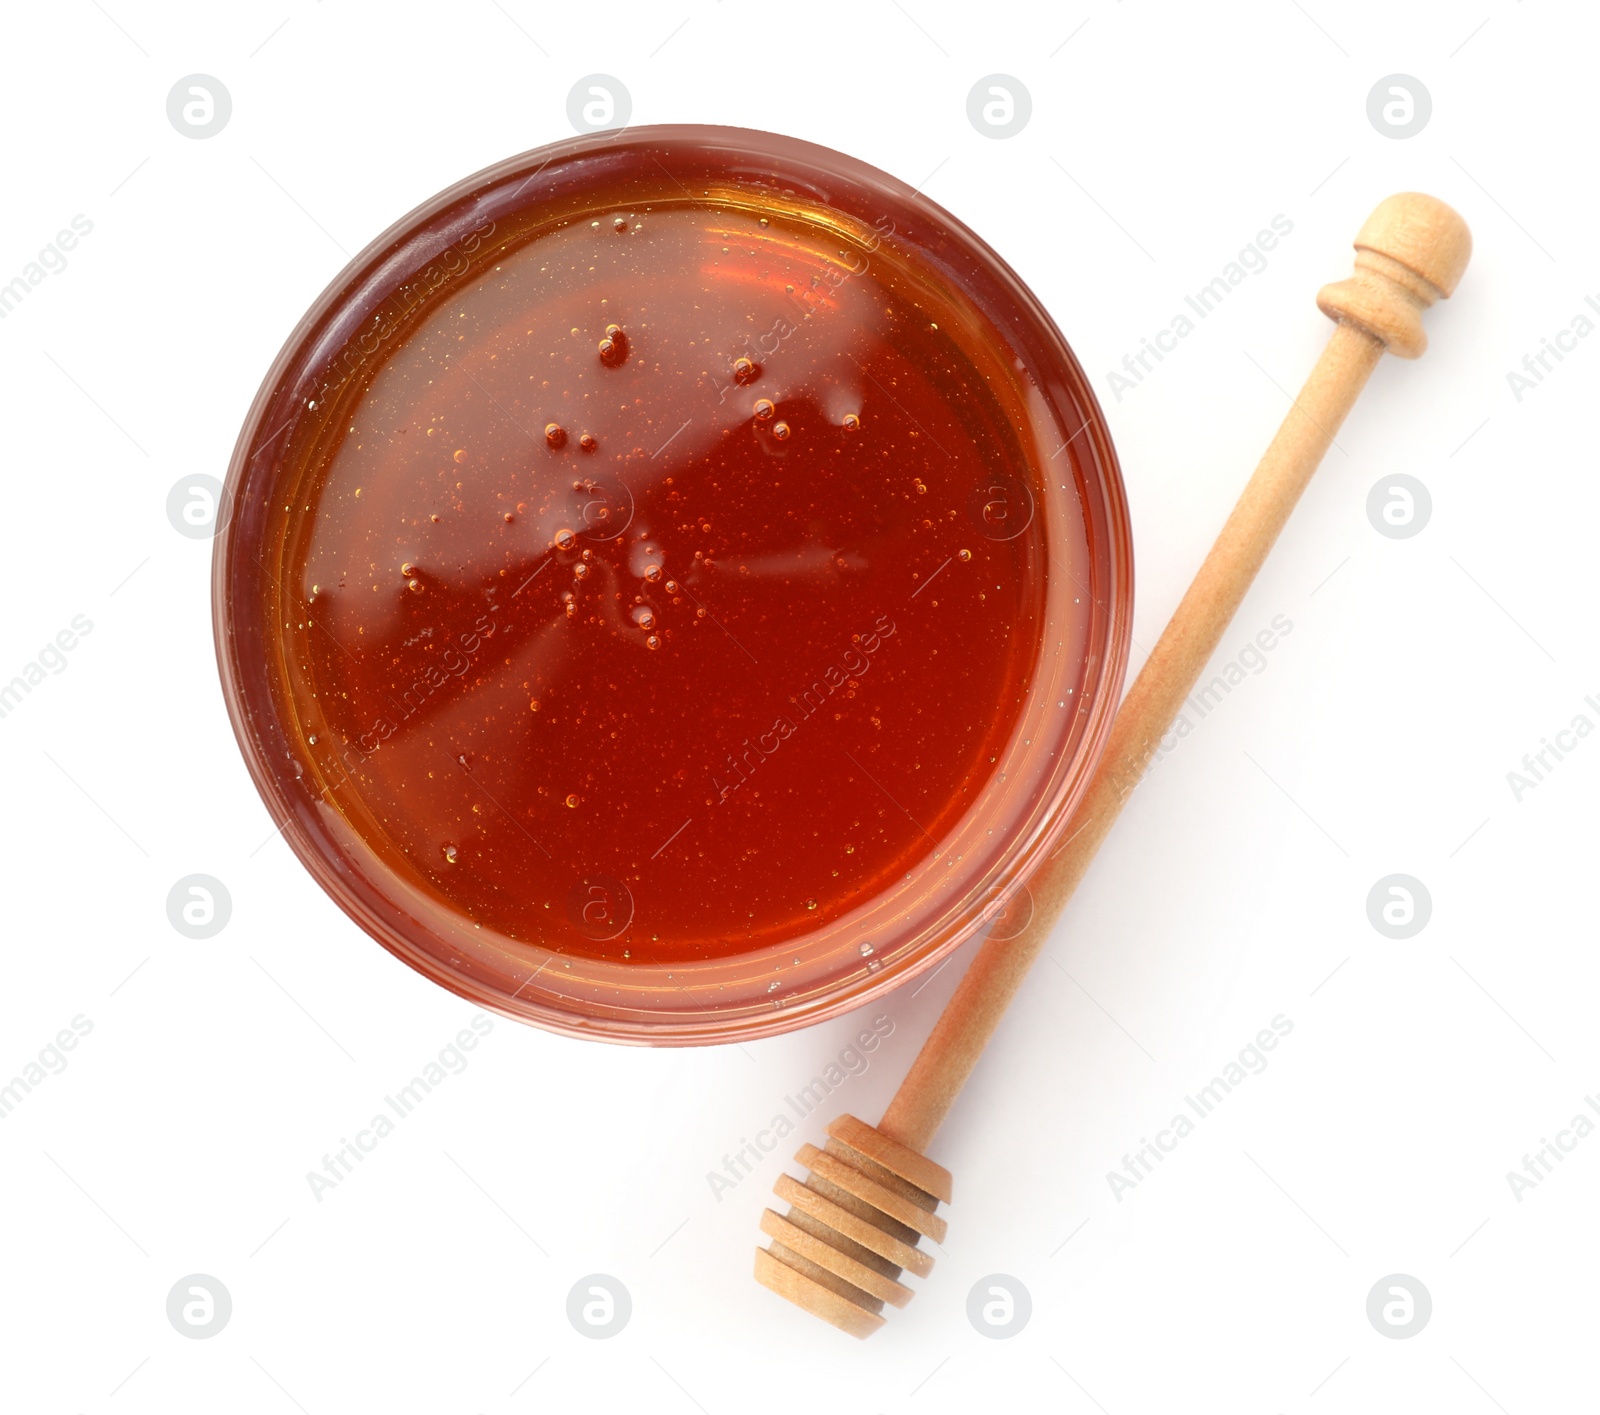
[{"x": 672, "y": 585}]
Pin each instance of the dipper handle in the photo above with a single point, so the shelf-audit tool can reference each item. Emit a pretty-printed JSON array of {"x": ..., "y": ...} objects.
[{"x": 1411, "y": 251}]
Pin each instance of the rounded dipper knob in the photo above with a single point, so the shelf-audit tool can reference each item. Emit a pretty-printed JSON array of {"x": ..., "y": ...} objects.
[{"x": 1410, "y": 252}]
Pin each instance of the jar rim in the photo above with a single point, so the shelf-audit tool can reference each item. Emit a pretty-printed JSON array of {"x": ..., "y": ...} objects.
[{"x": 374, "y": 276}]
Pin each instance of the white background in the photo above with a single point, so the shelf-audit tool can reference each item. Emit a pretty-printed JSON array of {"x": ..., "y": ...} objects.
[{"x": 1377, "y": 740}]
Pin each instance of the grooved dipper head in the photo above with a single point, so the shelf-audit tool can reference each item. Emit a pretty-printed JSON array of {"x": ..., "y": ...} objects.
[{"x": 853, "y": 1227}]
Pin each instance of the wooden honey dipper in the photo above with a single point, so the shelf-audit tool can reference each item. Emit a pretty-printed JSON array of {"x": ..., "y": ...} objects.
[{"x": 853, "y": 1226}]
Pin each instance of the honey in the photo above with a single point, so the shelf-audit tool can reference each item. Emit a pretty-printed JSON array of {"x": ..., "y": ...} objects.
[{"x": 665, "y": 570}]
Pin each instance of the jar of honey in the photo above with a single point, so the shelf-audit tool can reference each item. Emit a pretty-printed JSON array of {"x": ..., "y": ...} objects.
[{"x": 674, "y": 586}]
